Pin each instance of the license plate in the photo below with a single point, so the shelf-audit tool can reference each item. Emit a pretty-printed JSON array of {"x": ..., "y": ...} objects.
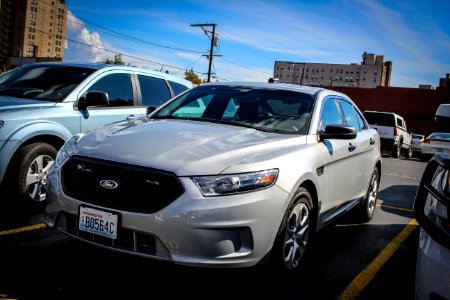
[{"x": 98, "y": 222}]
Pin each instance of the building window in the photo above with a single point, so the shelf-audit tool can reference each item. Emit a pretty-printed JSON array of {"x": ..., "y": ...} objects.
[{"x": 48, "y": 50}]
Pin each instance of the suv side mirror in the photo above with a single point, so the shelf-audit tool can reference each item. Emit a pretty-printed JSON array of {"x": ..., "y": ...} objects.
[
  {"x": 337, "y": 132},
  {"x": 93, "y": 98}
]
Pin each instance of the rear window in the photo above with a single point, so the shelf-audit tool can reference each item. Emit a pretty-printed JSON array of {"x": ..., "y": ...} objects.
[
  {"x": 382, "y": 119},
  {"x": 440, "y": 135}
]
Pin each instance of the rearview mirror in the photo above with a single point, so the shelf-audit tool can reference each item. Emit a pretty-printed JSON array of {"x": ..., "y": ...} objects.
[{"x": 337, "y": 132}]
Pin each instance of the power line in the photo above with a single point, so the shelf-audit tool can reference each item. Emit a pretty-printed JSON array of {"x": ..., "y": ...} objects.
[
  {"x": 115, "y": 52},
  {"x": 134, "y": 38},
  {"x": 244, "y": 67},
  {"x": 128, "y": 37}
]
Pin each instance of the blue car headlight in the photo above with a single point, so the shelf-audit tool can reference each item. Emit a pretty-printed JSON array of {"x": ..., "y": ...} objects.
[{"x": 235, "y": 183}]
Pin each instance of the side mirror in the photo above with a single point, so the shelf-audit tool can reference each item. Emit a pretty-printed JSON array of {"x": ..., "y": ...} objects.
[
  {"x": 150, "y": 109},
  {"x": 93, "y": 98},
  {"x": 337, "y": 132}
]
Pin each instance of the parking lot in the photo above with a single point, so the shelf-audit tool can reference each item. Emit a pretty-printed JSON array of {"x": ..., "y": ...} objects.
[{"x": 365, "y": 261}]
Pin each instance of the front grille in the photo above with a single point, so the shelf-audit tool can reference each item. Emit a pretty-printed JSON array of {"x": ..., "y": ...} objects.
[{"x": 128, "y": 187}]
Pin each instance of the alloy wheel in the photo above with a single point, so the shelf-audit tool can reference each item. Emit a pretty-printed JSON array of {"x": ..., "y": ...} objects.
[
  {"x": 296, "y": 235},
  {"x": 36, "y": 180},
  {"x": 372, "y": 195}
]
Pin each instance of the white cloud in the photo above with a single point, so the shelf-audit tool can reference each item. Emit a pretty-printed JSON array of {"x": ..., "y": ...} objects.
[{"x": 81, "y": 44}]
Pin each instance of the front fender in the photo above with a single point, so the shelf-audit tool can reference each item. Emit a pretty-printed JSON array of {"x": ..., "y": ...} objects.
[{"x": 11, "y": 142}]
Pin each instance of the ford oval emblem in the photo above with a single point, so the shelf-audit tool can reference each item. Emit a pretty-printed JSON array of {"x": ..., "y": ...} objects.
[{"x": 109, "y": 184}]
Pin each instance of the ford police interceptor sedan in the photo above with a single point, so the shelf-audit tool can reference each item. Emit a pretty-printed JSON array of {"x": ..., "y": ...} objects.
[{"x": 222, "y": 176}]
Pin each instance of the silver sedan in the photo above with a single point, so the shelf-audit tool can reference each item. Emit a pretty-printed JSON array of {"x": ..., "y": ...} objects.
[
  {"x": 437, "y": 142},
  {"x": 224, "y": 175}
]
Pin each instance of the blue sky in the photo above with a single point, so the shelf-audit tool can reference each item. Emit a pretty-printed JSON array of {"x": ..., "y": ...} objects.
[{"x": 413, "y": 34}]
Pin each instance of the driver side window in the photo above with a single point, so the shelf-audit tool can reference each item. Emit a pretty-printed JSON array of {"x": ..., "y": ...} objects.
[{"x": 330, "y": 114}]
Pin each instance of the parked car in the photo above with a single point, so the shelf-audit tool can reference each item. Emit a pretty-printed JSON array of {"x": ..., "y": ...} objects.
[
  {"x": 258, "y": 171},
  {"x": 431, "y": 210},
  {"x": 394, "y": 134},
  {"x": 416, "y": 143},
  {"x": 43, "y": 105},
  {"x": 434, "y": 143}
]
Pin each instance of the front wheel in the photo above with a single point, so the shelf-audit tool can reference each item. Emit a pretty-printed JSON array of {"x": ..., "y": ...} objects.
[
  {"x": 31, "y": 170},
  {"x": 290, "y": 245},
  {"x": 409, "y": 152},
  {"x": 396, "y": 150},
  {"x": 367, "y": 210}
]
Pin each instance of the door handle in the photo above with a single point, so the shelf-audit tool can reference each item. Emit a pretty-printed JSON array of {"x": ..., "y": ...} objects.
[
  {"x": 372, "y": 141},
  {"x": 351, "y": 147}
]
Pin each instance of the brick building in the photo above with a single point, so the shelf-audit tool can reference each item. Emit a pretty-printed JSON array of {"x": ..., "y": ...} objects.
[
  {"x": 372, "y": 72},
  {"x": 31, "y": 30}
]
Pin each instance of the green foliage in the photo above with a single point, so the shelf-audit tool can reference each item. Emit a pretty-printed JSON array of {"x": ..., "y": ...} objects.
[
  {"x": 117, "y": 60},
  {"x": 192, "y": 77}
]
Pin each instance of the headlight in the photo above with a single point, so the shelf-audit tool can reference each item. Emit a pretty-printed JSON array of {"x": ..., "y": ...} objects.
[
  {"x": 235, "y": 183},
  {"x": 66, "y": 150}
]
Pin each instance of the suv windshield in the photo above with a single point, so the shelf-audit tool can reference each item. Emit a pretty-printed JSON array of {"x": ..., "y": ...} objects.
[
  {"x": 263, "y": 109},
  {"x": 382, "y": 119},
  {"x": 42, "y": 82}
]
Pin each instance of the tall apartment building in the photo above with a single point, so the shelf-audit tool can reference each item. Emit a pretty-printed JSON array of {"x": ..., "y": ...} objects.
[
  {"x": 372, "y": 72},
  {"x": 31, "y": 30}
]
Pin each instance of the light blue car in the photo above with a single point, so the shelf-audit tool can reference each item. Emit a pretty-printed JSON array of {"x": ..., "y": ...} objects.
[{"x": 42, "y": 105}]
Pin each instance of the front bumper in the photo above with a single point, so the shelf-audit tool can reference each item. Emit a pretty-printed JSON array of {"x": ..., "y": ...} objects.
[{"x": 226, "y": 231}]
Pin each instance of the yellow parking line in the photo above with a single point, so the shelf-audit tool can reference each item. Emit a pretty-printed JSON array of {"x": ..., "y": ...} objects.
[
  {"x": 22, "y": 229},
  {"x": 363, "y": 278},
  {"x": 395, "y": 207}
]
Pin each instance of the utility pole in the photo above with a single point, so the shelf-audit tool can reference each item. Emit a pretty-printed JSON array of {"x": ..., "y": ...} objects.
[{"x": 214, "y": 42}]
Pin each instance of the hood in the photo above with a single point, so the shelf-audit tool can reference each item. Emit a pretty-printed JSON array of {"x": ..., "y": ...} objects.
[
  {"x": 180, "y": 146},
  {"x": 12, "y": 104}
]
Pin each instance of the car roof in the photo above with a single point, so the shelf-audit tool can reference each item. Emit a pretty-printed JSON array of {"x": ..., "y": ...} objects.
[
  {"x": 281, "y": 86},
  {"x": 98, "y": 66}
]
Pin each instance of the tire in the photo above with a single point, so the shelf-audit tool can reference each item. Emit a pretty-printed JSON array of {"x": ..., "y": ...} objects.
[
  {"x": 409, "y": 152},
  {"x": 31, "y": 165},
  {"x": 365, "y": 212},
  {"x": 291, "y": 243},
  {"x": 396, "y": 150}
]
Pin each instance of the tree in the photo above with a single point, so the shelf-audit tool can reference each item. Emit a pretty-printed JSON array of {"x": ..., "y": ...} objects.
[
  {"x": 192, "y": 77},
  {"x": 117, "y": 60}
]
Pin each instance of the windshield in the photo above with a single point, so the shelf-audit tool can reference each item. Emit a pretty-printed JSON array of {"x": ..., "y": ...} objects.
[
  {"x": 263, "y": 109},
  {"x": 42, "y": 82}
]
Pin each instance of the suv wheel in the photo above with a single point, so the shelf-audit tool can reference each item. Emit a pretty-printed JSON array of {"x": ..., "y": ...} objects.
[
  {"x": 291, "y": 243},
  {"x": 396, "y": 151},
  {"x": 409, "y": 152},
  {"x": 32, "y": 164}
]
